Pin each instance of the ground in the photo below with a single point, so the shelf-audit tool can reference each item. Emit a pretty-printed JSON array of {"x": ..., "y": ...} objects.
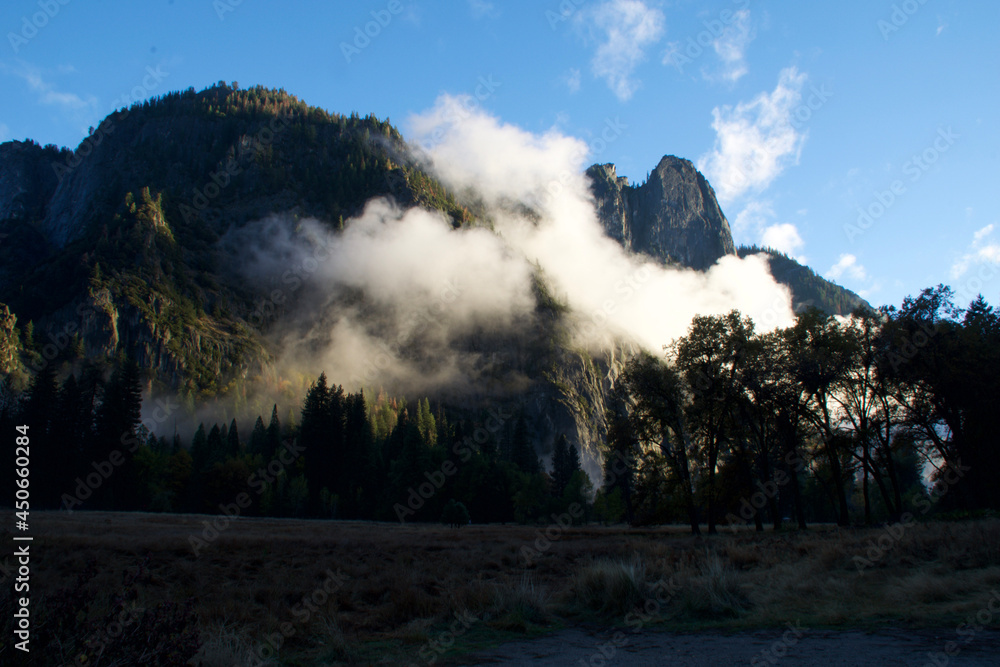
[{"x": 296, "y": 592}]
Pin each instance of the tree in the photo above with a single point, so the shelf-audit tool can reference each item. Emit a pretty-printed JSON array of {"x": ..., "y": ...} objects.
[
  {"x": 455, "y": 514},
  {"x": 656, "y": 392},
  {"x": 820, "y": 355},
  {"x": 709, "y": 356}
]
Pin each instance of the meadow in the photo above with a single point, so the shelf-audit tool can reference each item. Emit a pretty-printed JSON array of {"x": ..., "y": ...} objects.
[{"x": 297, "y": 592}]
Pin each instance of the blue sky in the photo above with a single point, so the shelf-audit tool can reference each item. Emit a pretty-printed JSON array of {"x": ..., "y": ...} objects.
[{"x": 804, "y": 116}]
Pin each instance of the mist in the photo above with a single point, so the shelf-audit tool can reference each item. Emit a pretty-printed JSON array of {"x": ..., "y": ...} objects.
[{"x": 402, "y": 301}]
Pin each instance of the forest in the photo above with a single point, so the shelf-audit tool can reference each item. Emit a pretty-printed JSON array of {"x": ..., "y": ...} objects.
[{"x": 885, "y": 416}]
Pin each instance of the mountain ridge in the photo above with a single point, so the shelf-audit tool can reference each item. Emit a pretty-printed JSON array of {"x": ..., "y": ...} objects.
[{"x": 128, "y": 233}]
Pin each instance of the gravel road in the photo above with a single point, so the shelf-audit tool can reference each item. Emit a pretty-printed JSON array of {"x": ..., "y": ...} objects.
[{"x": 794, "y": 646}]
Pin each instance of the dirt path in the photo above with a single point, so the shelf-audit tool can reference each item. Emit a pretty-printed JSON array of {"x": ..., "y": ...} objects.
[{"x": 578, "y": 648}]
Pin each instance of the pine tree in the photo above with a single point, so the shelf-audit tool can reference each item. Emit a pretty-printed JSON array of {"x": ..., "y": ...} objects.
[
  {"x": 233, "y": 444},
  {"x": 273, "y": 441},
  {"x": 258, "y": 438}
]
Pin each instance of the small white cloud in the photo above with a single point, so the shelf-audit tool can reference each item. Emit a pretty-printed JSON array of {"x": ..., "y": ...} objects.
[
  {"x": 940, "y": 29},
  {"x": 752, "y": 218},
  {"x": 47, "y": 94},
  {"x": 755, "y": 140},
  {"x": 4, "y": 132},
  {"x": 784, "y": 237},
  {"x": 625, "y": 28},
  {"x": 731, "y": 46},
  {"x": 573, "y": 80},
  {"x": 483, "y": 9},
  {"x": 980, "y": 252},
  {"x": 847, "y": 266}
]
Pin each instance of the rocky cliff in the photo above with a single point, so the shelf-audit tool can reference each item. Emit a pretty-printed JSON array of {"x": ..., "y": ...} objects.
[{"x": 673, "y": 216}]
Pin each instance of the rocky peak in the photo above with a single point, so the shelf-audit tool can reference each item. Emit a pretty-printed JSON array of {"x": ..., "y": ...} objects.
[{"x": 673, "y": 216}]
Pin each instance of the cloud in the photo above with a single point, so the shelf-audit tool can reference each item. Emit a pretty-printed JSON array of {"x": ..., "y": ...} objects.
[
  {"x": 784, "y": 237},
  {"x": 46, "y": 92},
  {"x": 4, "y": 132},
  {"x": 755, "y": 140},
  {"x": 573, "y": 80},
  {"x": 847, "y": 266},
  {"x": 752, "y": 218},
  {"x": 483, "y": 9},
  {"x": 979, "y": 252},
  {"x": 625, "y": 28},
  {"x": 731, "y": 45},
  {"x": 403, "y": 301},
  {"x": 610, "y": 294}
]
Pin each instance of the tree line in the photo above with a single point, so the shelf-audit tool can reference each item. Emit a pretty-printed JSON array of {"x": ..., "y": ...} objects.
[
  {"x": 872, "y": 418},
  {"x": 347, "y": 457},
  {"x": 860, "y": 420}
]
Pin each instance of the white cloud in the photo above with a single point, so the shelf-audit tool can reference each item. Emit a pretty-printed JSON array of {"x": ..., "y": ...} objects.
[
  {"x": 982, "y": 233},
  {"x": 573, "y": 80},
  {"x": 755, "y": 140},
  {"x": 784, "y": 237},
  {"x": 505, "y": 164},
  {"x": 4, "y": 132},
  {"x": 731, "y": 46},
  {"x": 483, "y": 8},
  {"x": 47, "y": 94},
  {"x": 752, "y": 218},
  {"x": 979, "y": 252},
  {"x": 847, "y": 266},
  {"x": 626, "y": 29}
]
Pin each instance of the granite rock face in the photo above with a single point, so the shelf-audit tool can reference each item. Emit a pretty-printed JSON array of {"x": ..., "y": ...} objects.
[{"x": 673, "y": 216}]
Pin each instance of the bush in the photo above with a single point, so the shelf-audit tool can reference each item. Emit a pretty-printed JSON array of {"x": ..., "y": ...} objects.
[{"x": 455, "y": 514}]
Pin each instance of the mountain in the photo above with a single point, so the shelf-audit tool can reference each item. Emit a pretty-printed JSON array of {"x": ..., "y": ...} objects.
[
  {"x": 128, "y": 247},
  {"x": 675, "y": 218},
  {"x": 808, "y": 289},
  {"x": 113, "y": 247}
]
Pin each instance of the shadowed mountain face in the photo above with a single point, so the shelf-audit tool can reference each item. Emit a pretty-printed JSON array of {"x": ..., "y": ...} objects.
[{"x": 673, "y": 216}]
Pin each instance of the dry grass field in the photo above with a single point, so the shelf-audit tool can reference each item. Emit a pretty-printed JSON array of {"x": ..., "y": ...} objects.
[{"x": 361, "y": 593}]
